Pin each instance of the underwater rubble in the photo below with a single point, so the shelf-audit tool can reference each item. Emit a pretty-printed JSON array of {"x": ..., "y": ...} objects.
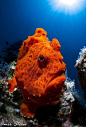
[{"x": 69, "y": 112}]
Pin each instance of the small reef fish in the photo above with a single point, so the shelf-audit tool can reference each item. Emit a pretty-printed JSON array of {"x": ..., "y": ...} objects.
[
  {"x": 39, "y": 73},
  {"x": 7, "y": 42}
]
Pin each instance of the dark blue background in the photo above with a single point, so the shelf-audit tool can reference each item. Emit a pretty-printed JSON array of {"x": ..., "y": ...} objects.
[{"x": 20, "y": 18}]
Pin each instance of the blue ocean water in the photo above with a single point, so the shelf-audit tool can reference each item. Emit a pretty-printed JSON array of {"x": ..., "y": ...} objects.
[{"x": 20, "y": 18}]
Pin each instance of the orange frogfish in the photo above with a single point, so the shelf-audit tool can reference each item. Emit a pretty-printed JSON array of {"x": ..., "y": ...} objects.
[{"x": 39, "y": 73}]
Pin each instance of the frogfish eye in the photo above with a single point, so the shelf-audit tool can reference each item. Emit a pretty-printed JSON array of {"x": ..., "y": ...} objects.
[
  {"x": 41, "y": 58},
  {"x": 42, "y": 61}
]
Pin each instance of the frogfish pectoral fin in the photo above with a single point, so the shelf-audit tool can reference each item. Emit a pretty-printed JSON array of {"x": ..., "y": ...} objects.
[
  {"x": 28, "y": 109},
  {"x": 11, "y": 85}
]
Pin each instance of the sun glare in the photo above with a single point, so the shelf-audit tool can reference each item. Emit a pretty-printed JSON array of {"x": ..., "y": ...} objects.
[
  {"x": 67, "y": 6},
  {"x": 69, "y": 2}
]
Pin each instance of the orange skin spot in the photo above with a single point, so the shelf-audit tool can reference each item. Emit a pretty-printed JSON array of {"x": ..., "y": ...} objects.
[{"x": 39, "y": 72}]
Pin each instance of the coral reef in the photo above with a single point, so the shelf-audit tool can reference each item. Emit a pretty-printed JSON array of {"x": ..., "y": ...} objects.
[
  {"x": 67, "y": 113},
  {"x": 81, "y": 67},
  {"x": 45, "y": 116},
  {"x": 39, "y": 72}
]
